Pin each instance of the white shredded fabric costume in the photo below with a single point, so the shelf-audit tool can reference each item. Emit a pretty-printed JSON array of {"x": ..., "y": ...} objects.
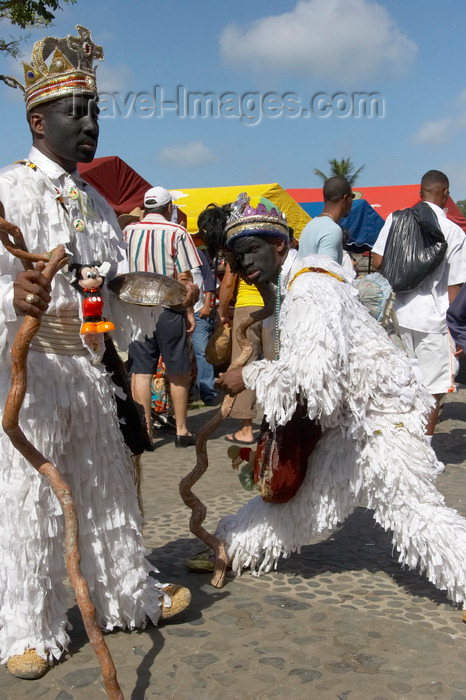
[
  {"x": 373, "y": 453},
  {"x": 69, "y": 414}
]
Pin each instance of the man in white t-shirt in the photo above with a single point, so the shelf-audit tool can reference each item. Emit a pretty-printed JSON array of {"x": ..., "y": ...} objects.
[
  {"x": 421, "y": 312},
  {"x": 323, "y": 235}
]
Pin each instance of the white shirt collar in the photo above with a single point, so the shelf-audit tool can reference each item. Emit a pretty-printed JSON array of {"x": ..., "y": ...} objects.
[
  {"x": 155, "y": 218},
  {"x": 438, "y": 210},
  {"x": 48, "y": 166}
]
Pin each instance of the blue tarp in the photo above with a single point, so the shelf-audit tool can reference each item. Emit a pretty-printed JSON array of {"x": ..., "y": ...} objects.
[{"x": 362, "y": 223}]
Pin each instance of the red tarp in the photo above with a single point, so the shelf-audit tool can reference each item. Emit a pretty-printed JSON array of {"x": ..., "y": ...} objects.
[
  {"x": 117, "y": 182},
  {"x": 384, "y": 199}
]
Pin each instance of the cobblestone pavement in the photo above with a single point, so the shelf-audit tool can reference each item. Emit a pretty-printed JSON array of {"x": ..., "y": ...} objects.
[{"x": 340, "y": 621}]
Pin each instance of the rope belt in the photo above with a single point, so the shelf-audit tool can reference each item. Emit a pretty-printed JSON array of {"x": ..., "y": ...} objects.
[{"x": 59, "y": 335}]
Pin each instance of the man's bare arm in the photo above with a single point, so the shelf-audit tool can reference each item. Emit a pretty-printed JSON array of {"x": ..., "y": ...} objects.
[{"x": 376, "y": 261}]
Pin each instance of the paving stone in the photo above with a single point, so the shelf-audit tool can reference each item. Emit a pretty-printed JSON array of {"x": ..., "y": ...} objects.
[
  {"x": 265, "y": 678},
  {"x": 200, "y": 660},
  {"x": 340, "y": 667},
  {"x": 274, "y": 661},
  {"x": 288, "y": 603},
  {"x": 82, "y": 678},
  {"x": 434, "y": 688},
  {"x": 339, "y": 621},
  {"x": 309, "y": 640},
  {"x": 35, "y": 691},
  {"x": 199, "y": 621},
  {"x": 181, "y": 632},
  {"x": 250, "y": 607},
  {"x": 225, "y": 619},
  {"x": 306, "y": 675},
  {"x": 224, "y": 680},
  {"x": 400, "y": 688}
]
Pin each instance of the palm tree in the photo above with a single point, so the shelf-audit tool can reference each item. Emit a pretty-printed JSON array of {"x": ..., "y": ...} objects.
[{"x": 343, "y": 168}]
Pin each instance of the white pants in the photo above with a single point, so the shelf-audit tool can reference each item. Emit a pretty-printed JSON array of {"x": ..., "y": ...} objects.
[{"x": 434, "y": 353}]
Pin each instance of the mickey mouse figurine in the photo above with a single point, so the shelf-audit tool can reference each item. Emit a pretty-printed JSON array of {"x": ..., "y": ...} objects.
[{"x": 88, "y": 281}]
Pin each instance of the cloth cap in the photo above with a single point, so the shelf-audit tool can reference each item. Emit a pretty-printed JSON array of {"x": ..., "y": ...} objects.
[
  {"x": 256, "y": 216},
  {"x": 70, "y": 70},
  {"x": 157, "y": 197}
]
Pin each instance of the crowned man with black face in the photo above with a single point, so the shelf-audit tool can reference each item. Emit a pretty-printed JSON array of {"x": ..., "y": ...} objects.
[
  {"x": 337, "y": 375},
  {"x": 69, "y": 411}
]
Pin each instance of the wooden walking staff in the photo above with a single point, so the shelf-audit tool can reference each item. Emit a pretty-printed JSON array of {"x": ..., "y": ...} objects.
[
  {"x": 19, "y": 353},
  {"x": 198, "y": 508}
]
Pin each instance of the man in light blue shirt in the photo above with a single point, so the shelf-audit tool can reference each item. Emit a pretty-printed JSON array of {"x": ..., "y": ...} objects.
[{"x": 323, "y": 235}]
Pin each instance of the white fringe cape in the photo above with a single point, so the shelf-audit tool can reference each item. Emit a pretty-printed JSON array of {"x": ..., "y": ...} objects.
[
  {"x": 365, "y": 394},
  {"x": 69, "y": 414}
]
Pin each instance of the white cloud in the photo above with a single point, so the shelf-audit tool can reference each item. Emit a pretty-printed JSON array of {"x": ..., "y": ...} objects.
[
  {"x": 192, "y": 155},
  {"x": 441, "y": 131},
  {"x": 113, "y": 78},
  {"x": 435, "y": 133},
  {"x": 336, "y": 38}
]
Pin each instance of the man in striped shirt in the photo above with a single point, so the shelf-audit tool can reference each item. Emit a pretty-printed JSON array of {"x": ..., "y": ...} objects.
[{"x": 157, "y": 244}]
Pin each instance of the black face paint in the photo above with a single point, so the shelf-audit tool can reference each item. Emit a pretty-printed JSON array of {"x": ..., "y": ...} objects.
[
  {"x": 70, "y": 130},
  {"x": 257, "y": 259}
]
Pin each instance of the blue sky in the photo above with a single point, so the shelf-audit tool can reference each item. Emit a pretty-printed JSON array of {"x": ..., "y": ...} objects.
[{"x": 411, "y": 54}]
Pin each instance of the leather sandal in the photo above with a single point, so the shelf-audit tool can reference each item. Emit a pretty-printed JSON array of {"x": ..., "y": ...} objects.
[
  {"x": 29, "y": 665},
  {"x": 180, "y": 598}
]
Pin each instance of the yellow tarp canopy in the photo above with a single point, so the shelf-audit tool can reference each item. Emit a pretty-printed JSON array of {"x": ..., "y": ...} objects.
[{"x": 193, "y": 201}]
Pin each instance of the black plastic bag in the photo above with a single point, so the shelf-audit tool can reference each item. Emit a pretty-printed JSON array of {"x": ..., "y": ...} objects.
[{"x": 415, "y": 247}]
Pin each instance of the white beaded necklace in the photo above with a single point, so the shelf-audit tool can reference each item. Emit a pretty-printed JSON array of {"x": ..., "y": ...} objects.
[{"x": 277, "y": 317}]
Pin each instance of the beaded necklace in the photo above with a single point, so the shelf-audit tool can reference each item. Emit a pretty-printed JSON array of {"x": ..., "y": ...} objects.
[{"x": 277, "y": 318}]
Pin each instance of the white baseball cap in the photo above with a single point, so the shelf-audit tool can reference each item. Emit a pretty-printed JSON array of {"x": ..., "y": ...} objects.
[{"x": 157, "y": 197}]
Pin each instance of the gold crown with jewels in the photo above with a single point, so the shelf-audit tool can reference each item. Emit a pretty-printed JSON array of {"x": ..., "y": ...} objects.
[{"x": 70, "y": 71}]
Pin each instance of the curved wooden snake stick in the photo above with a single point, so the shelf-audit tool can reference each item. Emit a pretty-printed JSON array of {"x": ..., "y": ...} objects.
[
  {"x": 198, "y": 508},
  {"x": 19, "y": 352}
]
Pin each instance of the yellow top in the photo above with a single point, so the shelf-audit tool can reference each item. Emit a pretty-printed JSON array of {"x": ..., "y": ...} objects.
[{"x": 248, "y": 295}]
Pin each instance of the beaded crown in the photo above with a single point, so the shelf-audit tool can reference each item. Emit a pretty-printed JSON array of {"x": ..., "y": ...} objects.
[
  {"x": 70, "y": 70},
  {"x": 255, "y": 217}
]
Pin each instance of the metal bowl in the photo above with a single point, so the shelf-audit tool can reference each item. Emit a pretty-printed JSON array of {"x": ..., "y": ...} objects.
[{"x": 148, "y": 289}]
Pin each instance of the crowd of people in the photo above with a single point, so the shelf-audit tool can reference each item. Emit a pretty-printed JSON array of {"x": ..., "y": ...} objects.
[{"x": 375, "y": 405}]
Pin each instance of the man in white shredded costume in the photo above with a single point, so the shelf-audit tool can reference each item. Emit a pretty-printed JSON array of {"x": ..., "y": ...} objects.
[
  {"x": 69, "y": 411},
  {"x": 362, "y": 391}
]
